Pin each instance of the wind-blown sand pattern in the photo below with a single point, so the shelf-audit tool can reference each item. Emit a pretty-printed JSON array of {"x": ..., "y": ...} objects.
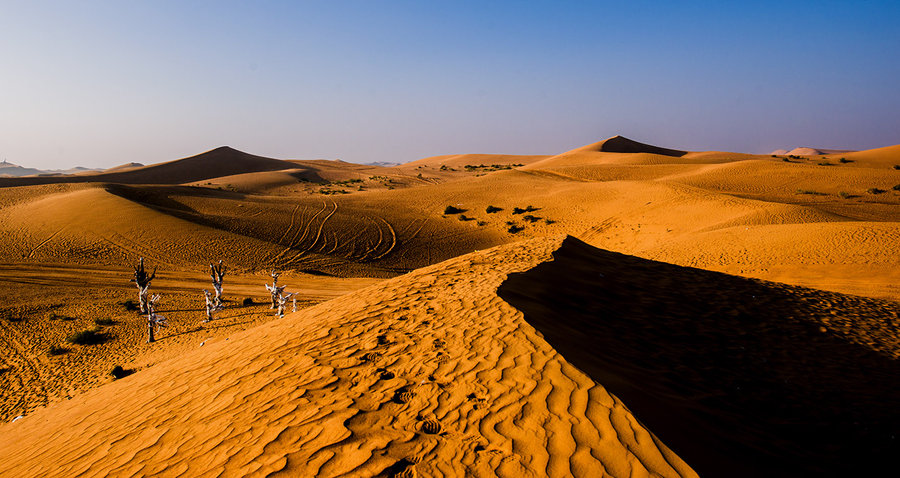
[{"x": 429, "y": 373}]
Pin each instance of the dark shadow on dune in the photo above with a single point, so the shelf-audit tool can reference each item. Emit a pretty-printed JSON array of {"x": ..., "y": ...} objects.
[
  {"x": 620, "y": 144},
  {"x": 735, "y": 375}
]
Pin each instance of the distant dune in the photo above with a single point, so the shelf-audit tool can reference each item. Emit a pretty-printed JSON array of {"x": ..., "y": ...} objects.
[
  {"x": 804, "y": 151},
  {"x": 124, "y": 167},
  {"x": 218, "y": 162}
]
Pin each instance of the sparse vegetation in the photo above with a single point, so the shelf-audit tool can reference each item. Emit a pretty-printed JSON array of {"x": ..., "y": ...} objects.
[
  {"x": 513, "y": 229},
  {"x": 845, "y": 160},
  {"x": 875, "y": 191},
  {"x": 845, "y": 195},
  {"x": 549, "y": 221},
  {"x": 824, "y": 163},
  {"x": 493, "y": 209},
  {"x": 89, "y": 337},
  {"x": 492, "y": 167},
  {"x": 530, "y": 218},
  {"x": 105, "y": 322},
  {"x": 329, "y": 191},
  {"x": 808, "y": 191},
  {"x": 529, "y": 208},
  {"x": 481, "y": 223},
  {"x": 896, "y": 187},
  {"x": 463, "y": 217},
  {"x": 453, "y": 210},
  {"x": 786, "y": 160}
]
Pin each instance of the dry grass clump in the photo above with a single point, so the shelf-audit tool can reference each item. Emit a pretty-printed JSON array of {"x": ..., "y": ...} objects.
[
  {"x": 453, "y": 210},
  {"x": 89, "y": 337}
]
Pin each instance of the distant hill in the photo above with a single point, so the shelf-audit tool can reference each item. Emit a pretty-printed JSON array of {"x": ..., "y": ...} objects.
[{"x": 10, "y": 170}]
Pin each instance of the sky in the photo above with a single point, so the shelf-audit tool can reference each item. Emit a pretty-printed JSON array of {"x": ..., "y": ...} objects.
[{"x": 99, "y": 84}]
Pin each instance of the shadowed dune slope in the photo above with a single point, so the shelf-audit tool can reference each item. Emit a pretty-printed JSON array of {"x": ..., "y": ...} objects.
[
  {"x": 427, "y": 374},
  {"x": 621, "y": 144},
  {"x": 740, "y": 377}
]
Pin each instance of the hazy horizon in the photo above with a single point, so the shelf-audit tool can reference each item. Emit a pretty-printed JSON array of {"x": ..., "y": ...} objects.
[{"x": 102, "y": 83}]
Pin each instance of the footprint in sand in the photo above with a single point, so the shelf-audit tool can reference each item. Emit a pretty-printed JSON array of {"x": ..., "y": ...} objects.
[{"x": 432, "y": 427}]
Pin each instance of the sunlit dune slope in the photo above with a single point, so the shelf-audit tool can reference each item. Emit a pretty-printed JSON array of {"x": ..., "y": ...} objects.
[
  {"x": 427, "y": 374},
  {"x": 740, "y": 377}
]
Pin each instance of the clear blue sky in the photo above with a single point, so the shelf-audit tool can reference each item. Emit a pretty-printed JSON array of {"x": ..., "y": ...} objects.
[{"x": 104, "y": 83}]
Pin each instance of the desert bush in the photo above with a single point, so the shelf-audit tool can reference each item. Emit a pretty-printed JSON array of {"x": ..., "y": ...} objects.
[
  {"x": 530, "y": 218},
  {"x": 89, "y": 337},
  {"x": 518, "y": 210},
  {"x": 453, "y": 210},
  {"x": 549, "y": 221},
  {"x": 105, "y": 322},
  {"x": 130, "y": 305},
  {"x": 786, "y": 160},
  {"x": 463, "y": 217},
  {"x": 875, "y": 191},
  {"x": 808, "y": 191},
  {"x": 825, "y": 163},
  {"x": 56, "y": 350},
  {"x": 896, "y": 187},
  {"x": 845, "y": 160},
  {"x": 845, "y": 195},
  {"x": 514, "y": 229},
  {"x": 897, "y": 166},
  {"x": 493, "y": 209},
  {"x": 481, "y": 223},
  {"x": 247, "y": 301},
  {"x": 119, "y": 372}
]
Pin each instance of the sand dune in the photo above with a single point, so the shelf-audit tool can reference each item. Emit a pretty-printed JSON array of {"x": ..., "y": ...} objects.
[
  {"x": 430, "y": 373},
  {"x": 217, "y": 162}
]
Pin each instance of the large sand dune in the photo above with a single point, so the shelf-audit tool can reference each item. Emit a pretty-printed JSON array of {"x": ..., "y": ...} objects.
[{"x": 430, "y": 372}]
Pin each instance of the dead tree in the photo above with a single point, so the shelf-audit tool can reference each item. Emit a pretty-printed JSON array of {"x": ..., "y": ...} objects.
[
  {"x": 295, "y": 304},
  {"x": 217, "y": 272},
  {"x": 154, "y": 320},
  {"x": 274, "y": 289},
  {"x": 282, "y": 299},
  {"x": 142, "y": 281},
  {"x": 210, "y": 306}
]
